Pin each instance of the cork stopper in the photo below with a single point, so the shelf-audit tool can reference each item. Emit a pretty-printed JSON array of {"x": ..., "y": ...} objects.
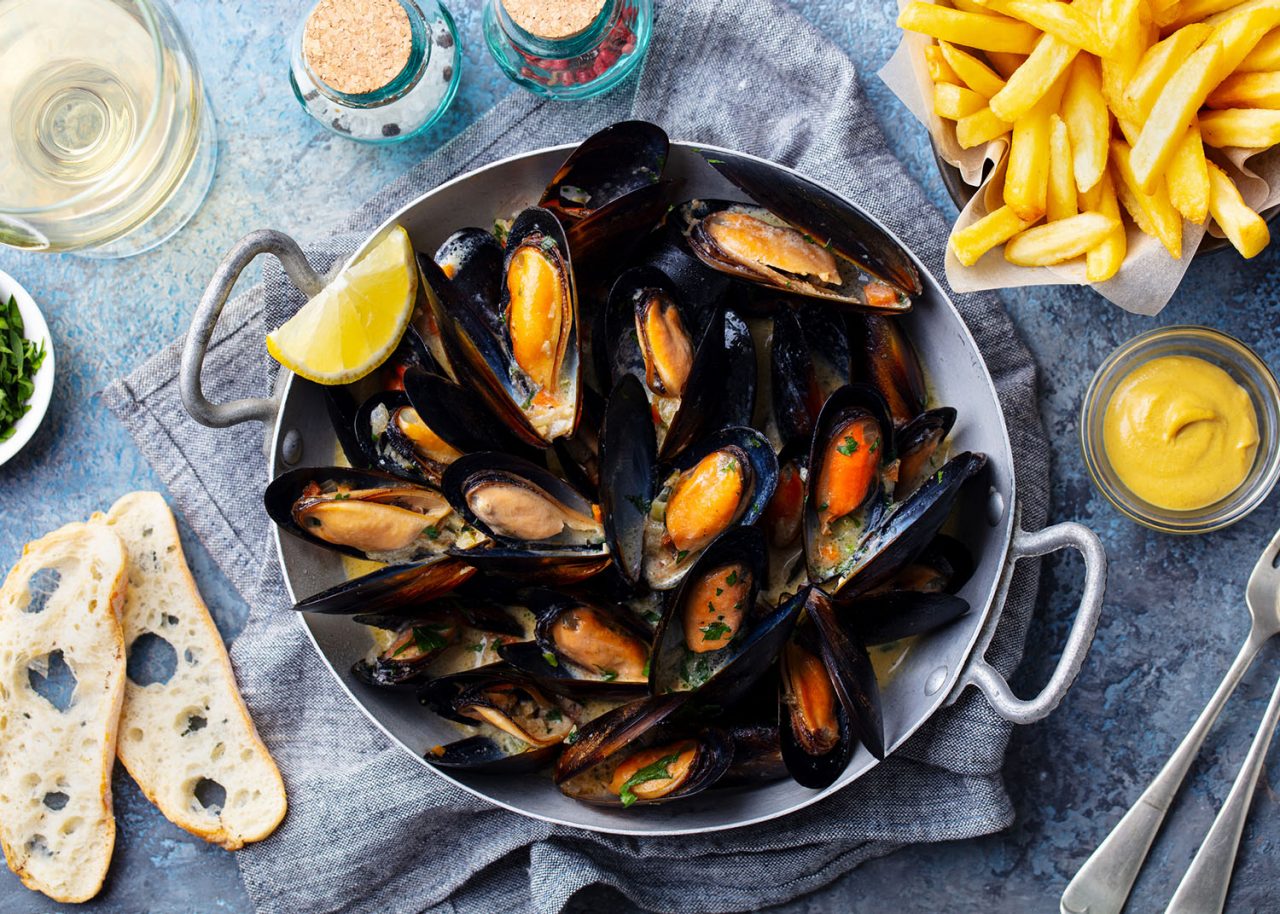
[
  {"x": 357, "y": 46},
  {"x": 553, "y": 19}
]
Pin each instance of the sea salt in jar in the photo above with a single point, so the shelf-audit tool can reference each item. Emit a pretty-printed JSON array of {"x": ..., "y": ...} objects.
[
  {"x": 567, "y": 49},
  {"x": 377, "y": 71}
]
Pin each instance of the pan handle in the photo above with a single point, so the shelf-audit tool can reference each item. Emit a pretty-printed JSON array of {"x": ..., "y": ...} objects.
[
  {"x": 262, "y": 409},
  {"x": 983, "y": 675}
]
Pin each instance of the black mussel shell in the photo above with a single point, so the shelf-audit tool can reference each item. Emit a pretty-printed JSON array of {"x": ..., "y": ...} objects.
[
  {"x": 471, "y": 259},
  {"x": 549, "y": 567},
  {"x": 468, "y": 473},
  {"x": 664, "y": 566},
  {"x": 908, "y": 529},
  {"x": 289, "y": 489},
  {"x": 627, "y": 461},
  {"x": 825, "y": 216},
  {"x": 460, "y": 416},
  {"x": 699, "y": 288},
  {"x": 757, "y": 755},
  {"x": 944, "y": 566},
  {"x": 610, "y": 234},
  {"x": 389, "y": 449},
  {"x": 700, "y": 403},
  {"x": 809, "y": 361},
  {"x": 396, "y": 588},
  {"x": 885, "y": 359},
  {"x": 737, "y": 401},
  {"x": 427, "y": 637},
  {"x": 849, "y": 666},
  {"x": 918, "y": 442},
  {"x": 842, "y": 541},
  {"x": 717, "y": 575},
  {"x": 713, "y": 755},
  {"x": 578, "y": 455},
  {"x": 482, "y": 753},
  {"x": 606, "y": 166},
  {"x": 884, "y": 617},
  {"x": 803, "y": 760},
  {"x": 613, "y": 731},
  {"x": 342, "y": 407},
  {"x": 546, "y": 660}
]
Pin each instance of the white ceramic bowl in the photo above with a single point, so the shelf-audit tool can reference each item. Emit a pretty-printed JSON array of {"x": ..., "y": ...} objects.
[{"x": 34, "y": 329}]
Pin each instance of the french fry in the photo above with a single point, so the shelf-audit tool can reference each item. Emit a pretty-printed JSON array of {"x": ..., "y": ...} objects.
[
  {"x": 969, "y": 244},
  {"x": 1247, "y": 90},
  {"x": 1119, "y": 67},
  {"x": 972, "y": 72},
  {"x": 1034, "y": 78},
  {"x": 1239, "y": 33},
  {"x": 1159, "y": 64},
  {"x": 1172, "y": 113},
  {"x": 980, "y": 127},
  {"x": 1026, "y": 182},
  {"x": 1188, "y": 178},
  {"x": 1238, "y": 9},
  {"x": 1265, "y": 55},
  {"x": 1054, "y": 18},
  {"x": 973, "y": 30},
  {"x": 1006, "y": 64},
  {"x": 939, "y": 70},
  {"x": 1088, "y": 121},
  {"x": 1196, "y": 10},
  {"x": 1061, "y": 201},
  {"x": 1152, "y": 212},
  {"x": 1115, "y": 19},
  {"x": 1165, "y": 12},
  {"x": 1103, "y": 260},
  {"x": 969, "y": 6},
  {"x": 1245, "y": 229},
  {"x": 1250, "y": 128},
  {"x": 1057, "y": 242},
  {"x": 956, "y": 101}
]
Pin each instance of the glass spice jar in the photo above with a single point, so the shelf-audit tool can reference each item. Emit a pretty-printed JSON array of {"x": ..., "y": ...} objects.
[
  {"x": 568, "y": 49},
  {"x": 376, "y": 71}
]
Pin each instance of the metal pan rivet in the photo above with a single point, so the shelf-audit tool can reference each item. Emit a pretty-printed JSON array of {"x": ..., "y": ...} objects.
[
  {"x": 936, "y": 680},
  {"x": 291, "y": 447},
  {"x": 995, "y": 506}
]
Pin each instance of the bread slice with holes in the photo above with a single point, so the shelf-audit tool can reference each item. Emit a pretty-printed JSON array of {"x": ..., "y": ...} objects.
[
  {"x": 185, "y": 734},
  {"x": 62, "y": 674}
]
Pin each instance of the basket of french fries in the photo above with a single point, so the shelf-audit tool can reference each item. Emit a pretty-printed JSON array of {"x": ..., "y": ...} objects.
[{"x": 1105, "y": 137}]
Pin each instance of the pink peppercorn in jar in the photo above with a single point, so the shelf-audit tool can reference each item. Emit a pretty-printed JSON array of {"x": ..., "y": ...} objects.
[{"x": 568, "y": 49}]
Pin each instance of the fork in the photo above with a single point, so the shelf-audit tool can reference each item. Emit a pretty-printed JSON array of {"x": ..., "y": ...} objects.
[{"x": 1104, "y": 882}]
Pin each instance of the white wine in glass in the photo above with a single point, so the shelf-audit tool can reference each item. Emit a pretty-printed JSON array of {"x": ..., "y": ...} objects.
[{"x": 106, "y": 139}]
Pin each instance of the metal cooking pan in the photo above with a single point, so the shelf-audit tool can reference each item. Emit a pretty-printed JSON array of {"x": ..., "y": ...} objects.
[{"x": 932, "y": 675}]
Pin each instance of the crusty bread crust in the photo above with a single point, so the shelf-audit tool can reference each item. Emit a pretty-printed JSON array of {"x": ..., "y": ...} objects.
[
  {"x": 178, "y": 736},
  {"x": 56, "y": 824}
]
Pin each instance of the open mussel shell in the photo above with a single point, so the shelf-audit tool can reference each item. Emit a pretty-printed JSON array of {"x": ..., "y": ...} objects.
[
  {"x": 882, "y": 274},
  {"x": 583, "y": 646},
  {"x": 919, "y": 445},
  {"x": 757, "y": 755},
  {"x": 809, "y": 361},
  {"x": 847, "y": 492},
  {"x": 885, "y": 617},
  {"x": 341, "y": 405},
  {"x": 395, "y": 588},
  {"x": 549, "y": 567},
  {"x": 471, "y": 259},
  {"x": 713, "y": 619},
  {"x": 724, "y": 481},
  {"x": 908, "y": 529},
  {"x": 852, "y": 674},
  {"x": 639, "y": 754},
  {"x": 460, "y": 417},
  {"x": 417, "y": 644},
  {"x": 627, "y": 461},
  {"x": 737, "y": 400},
  {"x": 521, "y": 505},
  {"x": 400, "y": 441},
  {"x": 523, "y": 725},
  {"x": 815, "y": 737},
  {"x": 607, "y": 166},
  {"x": 577, "y": 456},
  {"x": 944, "y": 566},
  {"x": 885, "y": 359},
  {"x": 363, "y": 513}
]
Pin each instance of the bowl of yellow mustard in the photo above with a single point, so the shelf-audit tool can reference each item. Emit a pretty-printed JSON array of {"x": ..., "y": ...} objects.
[{"x": 1180, "y": 429}]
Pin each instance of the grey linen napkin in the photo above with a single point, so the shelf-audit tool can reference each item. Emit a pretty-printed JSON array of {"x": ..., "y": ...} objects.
[{"x": 368, "y": 830}]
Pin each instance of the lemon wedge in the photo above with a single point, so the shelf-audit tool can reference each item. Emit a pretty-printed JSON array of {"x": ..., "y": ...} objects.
[{"x": 356, "y": 321}]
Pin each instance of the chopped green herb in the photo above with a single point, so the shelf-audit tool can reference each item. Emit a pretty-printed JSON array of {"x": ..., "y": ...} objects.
[
  {"x": 640, "y": 504},
  {"x": 822, "y": 507},
  {"x": 715, "y": 161},
  {"x": 715, "y": 631},
  {"x": 573, "y": 736},
  {"x": 850, "y": 446},
  {"x": 730, "y": 467},
  {"x": 658, "y": 771},
  {"x": 646, "y": 669},
  {"x": 20, "y": 359},
  {"x": 653, "y": 618},
  {"x": 528, "y": 401},
  {"x": 426, "y": 638},
  {"x": 341, "y": 496},
  {"x": 609, "y": 675},
  {"x": 875, "y": 445},
  {"x": 554, "y": 715},
  {"x": 478, "y": 648},
  {"x": 550, "y": 658},
  {"x": 432, "y": 532},
  {"x": 732, "y": 579},
  {"x": 682, "y": 555},
  {"x": 548, "y": 244},
  {"x": 719, "y": 590}
]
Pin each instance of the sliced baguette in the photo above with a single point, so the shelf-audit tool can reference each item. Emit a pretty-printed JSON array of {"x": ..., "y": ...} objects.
[
  {"x": 188, "y": 741},
  {"x": 64, "y": 595}
]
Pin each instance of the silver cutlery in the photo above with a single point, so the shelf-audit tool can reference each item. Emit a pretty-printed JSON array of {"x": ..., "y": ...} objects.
[{"x": 1104, "y": 882}]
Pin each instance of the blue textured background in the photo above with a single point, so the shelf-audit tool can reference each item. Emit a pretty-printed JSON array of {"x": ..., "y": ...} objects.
[{"x": 1174, "y": 615}]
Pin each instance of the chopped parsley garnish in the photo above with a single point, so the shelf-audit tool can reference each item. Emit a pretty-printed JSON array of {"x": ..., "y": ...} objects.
[
  {"x": 432, "y": 532},
  {"x": 609, "y": 675},
  {"x": 20, "y": 359},
  {"x": 572, "y": 737},
  {"x": 715, "y": 631},
  {"x": 554, "y": 715},
  {"x": 732, "y": 579},
  {"x": 730, "y": 467},
  {"x": 646, "y": 668},
  {"x": 682, "y": 555},
  {"x": 658, "y": 771},
  {"x": 550, "y": 658},
  {"x": 640, "y": 504},
  {"x": 875, "y": 445},
  {"x": 850, "y": 446},
  {"x": 528, "y": 401},
  {"x": 426, "y": 638},
  {"x": 341, "y": 496},
  {"x": 548, "y": 244}
]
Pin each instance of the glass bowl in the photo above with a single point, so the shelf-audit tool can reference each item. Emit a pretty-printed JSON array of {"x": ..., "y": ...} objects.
[{"x": 1245, "y": 368}]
